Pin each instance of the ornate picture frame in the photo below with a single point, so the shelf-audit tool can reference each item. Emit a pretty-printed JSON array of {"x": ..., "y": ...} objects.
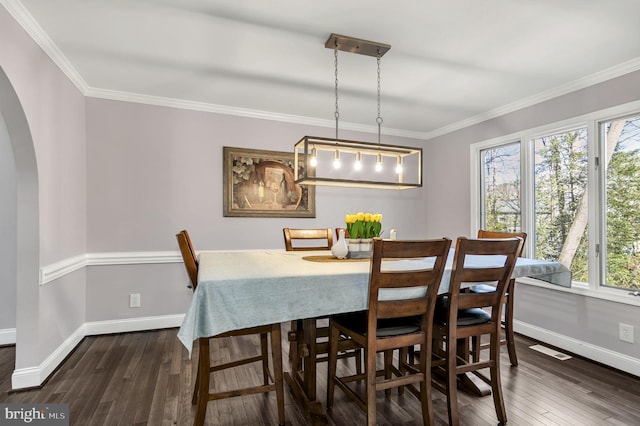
[{"x": 259, "y": 183}]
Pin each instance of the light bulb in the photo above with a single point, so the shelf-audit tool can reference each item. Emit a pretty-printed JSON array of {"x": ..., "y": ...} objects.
[
  {"x": 336, "y": 160},
  {"x": 379, "y": 163},
  {"x": 314, "y": 158},
  {"x": 399, "y": 165},
  {"x": 358, "y": 164}
]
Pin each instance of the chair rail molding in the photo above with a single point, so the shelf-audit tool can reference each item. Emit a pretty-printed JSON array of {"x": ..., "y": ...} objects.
[{"x": 66, "y": 266}]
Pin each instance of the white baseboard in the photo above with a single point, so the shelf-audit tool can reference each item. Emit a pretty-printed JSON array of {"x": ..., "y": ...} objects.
[
  {"x": 34, "y": 376},
  {"x": 24, "y": 378},
  {"x": 8, "y": 336},
  {"x": 599, "y": 354},
  {"x": 133, "y": 324}
]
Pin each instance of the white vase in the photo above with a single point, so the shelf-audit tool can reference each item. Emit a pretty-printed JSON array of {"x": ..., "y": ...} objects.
[
  {"x": 366, "y": 244},
  {"x": 354, "y": 245},
  {"x": 340, "y": 249}
]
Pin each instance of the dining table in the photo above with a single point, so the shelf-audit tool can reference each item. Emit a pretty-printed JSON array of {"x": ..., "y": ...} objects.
[{"x": 245, "y": 288}]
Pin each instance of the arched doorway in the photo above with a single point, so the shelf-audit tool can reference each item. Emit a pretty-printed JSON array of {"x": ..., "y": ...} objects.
[{"x": 27, "y": 257}]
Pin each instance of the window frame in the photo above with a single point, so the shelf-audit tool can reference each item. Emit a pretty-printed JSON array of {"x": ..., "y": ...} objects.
[
  {"x": 596, "y": 193},
  {"x": 481, "y": 177}
]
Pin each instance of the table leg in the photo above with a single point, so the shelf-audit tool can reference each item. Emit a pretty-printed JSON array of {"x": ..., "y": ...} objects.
[
  {"x": 469, "y": 382},
  {"x": 309, "y": 330},
  {"x": 302, "y": 378}
]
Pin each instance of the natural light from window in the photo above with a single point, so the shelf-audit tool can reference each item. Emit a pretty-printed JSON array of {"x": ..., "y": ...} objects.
[
  {"x": 574, "y": 188},
  {"x": 621, "y": 162},
  {"x": 561, "y": 208},
  {"x": 501, "y": 188}
]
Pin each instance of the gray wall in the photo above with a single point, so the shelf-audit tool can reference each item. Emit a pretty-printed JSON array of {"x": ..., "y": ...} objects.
[
  {"x": 590, "y": 320},
  {"x": 46, "y": 123},
  {"x": 8, "y": 232},
  {"x": 153, "y": 171}
]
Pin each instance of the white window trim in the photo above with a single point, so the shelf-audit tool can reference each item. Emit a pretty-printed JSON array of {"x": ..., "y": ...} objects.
[{"x": 591, "y": 122}]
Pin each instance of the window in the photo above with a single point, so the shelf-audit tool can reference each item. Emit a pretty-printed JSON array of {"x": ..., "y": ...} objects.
[
  {"x": 501, "y": 188},
  {"x": 560, "y": 219},
  {"x": 621, "y": 165},
  {"x": 574, "y": 187}
]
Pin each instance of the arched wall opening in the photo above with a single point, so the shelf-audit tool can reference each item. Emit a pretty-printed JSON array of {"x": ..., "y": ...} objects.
[{"x": 27, "y": 227}]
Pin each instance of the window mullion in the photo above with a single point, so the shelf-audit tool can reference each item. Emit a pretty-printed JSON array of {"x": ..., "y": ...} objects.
[
  {"x": 597, "y": 246},
  {"x": 527, "y": 192}
]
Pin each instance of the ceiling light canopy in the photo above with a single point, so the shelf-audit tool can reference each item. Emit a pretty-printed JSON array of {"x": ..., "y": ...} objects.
[{"x": 319, "y": 161}]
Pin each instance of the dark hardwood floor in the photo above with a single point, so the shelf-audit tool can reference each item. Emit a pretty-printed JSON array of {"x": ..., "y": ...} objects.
[{"x": 147, "y": 378}]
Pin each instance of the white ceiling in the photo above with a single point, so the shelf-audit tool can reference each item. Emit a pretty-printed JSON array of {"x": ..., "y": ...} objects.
[{"x": 451, "y": 62}]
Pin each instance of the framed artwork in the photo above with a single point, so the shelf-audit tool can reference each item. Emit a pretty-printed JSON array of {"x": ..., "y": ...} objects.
[{"x": 260, "y": 183}]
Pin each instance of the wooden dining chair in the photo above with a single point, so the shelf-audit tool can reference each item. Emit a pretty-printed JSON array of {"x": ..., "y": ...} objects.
[
  {"x": 314, "y": 239},
  {"x": 509, "y": 303},
  {"x": 460, "y": 315},
  {"x": 307, "y": 239},
  {"x": 272, "y": 380},
  {"x": 346, "y": 232},
  {"x": 392, "y": 322}
]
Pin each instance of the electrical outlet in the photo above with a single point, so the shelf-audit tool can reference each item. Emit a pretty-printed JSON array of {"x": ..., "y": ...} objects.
[
  {"x": 134, "y": 300},
  {"x": 626, "y": 333}
]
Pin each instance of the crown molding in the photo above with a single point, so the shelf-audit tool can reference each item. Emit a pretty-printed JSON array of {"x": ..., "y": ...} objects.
[
  {"x": 115, "y": 95},
  {"x": 37, "y": 33},
  {"x": 582, "y": 83},
  {"x": 30, "y": 25}
]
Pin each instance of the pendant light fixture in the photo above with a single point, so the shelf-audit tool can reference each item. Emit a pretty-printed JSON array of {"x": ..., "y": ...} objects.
[{"x": 319, "y": 161}]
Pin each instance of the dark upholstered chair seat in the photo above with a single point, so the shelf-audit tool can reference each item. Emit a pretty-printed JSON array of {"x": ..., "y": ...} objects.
[
  {"x": 357, "y": 321},
  {"x": 483, "y": 288},
  {"x": 466, "y": 317}
]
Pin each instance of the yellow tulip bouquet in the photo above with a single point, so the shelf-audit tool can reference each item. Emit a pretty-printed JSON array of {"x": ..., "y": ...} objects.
[{"x": 364, "y": 225}]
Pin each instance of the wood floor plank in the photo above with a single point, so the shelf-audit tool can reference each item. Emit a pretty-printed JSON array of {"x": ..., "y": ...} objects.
[{"x": 147, "y": 378}]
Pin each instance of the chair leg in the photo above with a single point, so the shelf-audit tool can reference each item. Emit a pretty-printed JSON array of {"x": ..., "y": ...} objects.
[
  {"x": 451, "y": 386},
  {"x": 388, "y": 358},
  {"x": 358, "y": 357},
  {"x": 425, "y": 385},
  {"x": 203, "y": 375},
  {"x": 403, "y": 355},
  {"x": 194, "y": 397},
  {"x": 370, "y": 366},
  {"x": 196, "y": 386},
  {"x": 496, "y": 386},
  {"x": 264, "y": 350},
  {"x": 332, "y": 362},
  {"x": 475, "y": 348},
  {"x": 508, "y": 324},
  {"x": 411, "y": 350},
  {"x": 276, "y": 354}
]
